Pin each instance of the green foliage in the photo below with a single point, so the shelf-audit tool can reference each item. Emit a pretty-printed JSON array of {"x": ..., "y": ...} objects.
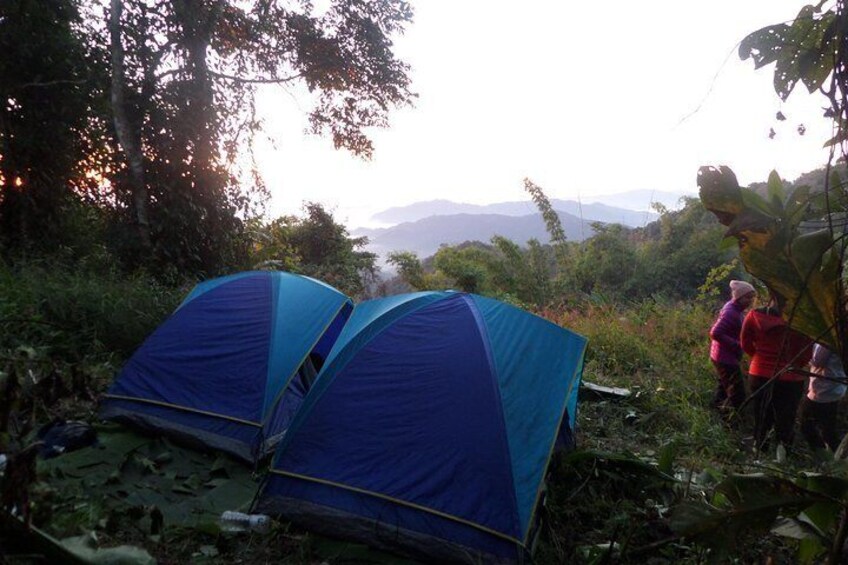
[
  {"x": 66, "y": 331},
  {"x": 502, "y": 270},
  {"x": 188, "y": 71},
  {"x": 802, "y": 266},
  {"x": 803, "y": 50},
  {"x": 547, "y": 210},
  {"x": 668, "y": 258},
  {"x": 464, "y": 266},
  {"x": 717, "y": 279},
  {"x": 677, "y": 253},
  {"x": 617, "y": 495},
  {"x": 409, "y": 269},
  {"x": 317, "y": 246},
  {"x": 809, "y": 50},
  {"x": 660, "y": 350},
  {"x": 73, "y": 314},
  {"x": 606, "y": 261},
  {"x": 192, "y": 70},
  {"x": 810, "y": 508}
]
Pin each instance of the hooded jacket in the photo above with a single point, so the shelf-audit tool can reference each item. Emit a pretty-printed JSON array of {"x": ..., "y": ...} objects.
[
  {"x": 828, "y": 364},
  {"x": 772, "y": 345},
  {"x": 724, "y": 335}
]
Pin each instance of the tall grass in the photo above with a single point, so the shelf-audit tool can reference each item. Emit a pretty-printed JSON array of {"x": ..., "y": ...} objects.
[
  {"x": 65, "y": 329},
  {"x": 660, "y": 351},
  {"x": 76, "y": 313}
]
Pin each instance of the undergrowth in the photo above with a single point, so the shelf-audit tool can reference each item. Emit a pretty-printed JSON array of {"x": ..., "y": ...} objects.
[
  {"x": 66, "y": 332},
  {"x": 603, "y": 506}
]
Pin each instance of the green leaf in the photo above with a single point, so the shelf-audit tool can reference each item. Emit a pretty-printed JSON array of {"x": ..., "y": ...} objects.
[
  {"x": 666, "y": 460},
  {"x": 776, "y": 192},
  {"x": 767, "y": 209},
  {"x": 753, "y": 503},
  {"x": 728, "y": 243},
  {"x": 808, "y": 249},
  {"x": 809, "y": 550},
  {"x": 797, "y": 204},
  {"x": 764, "y": 45},
  {"x": 792, "y": 264},
  {"x": 180, "y": 489},
  {"x": 618, "y": 461}
]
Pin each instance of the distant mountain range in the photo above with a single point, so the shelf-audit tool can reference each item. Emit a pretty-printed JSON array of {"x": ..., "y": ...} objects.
[
  {"x": 631, "y": 208},
  {"x": 641, "y": 199},
  {"x": 424, "y": 226},
  {"x": 424, "y": 236}
]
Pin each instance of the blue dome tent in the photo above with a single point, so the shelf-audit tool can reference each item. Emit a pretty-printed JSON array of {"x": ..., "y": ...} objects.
[
  {"x": 430, "y": 428},
  {"x": 230, "y": 367}
]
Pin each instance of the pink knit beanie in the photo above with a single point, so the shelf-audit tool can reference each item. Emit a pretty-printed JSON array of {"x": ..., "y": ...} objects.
[{"x": 739, "y": 289}]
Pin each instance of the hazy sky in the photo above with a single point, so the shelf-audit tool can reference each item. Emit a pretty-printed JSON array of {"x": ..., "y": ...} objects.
[{"x": 582, "y": 97}]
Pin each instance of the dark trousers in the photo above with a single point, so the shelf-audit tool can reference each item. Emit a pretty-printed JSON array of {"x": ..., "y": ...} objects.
[
  {"x": 818, "y": 423},
  {"x": 730, "y": 391},
  {"x": 774, "y": 407}
]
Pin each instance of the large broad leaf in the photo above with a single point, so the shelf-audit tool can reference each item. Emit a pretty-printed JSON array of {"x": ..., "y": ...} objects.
[
  {"x": 126, "y": 471},
  {"x": 824, "y": 515},
  {"x": 802, "y": 268},
  {"x": 624, "y": 462},
  {"x": 802, "y": 51},
  {"x": 750, "y": 504}
]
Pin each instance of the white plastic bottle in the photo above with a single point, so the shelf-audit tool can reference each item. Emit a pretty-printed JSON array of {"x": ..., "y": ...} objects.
[{"x": 240, "y": 522}]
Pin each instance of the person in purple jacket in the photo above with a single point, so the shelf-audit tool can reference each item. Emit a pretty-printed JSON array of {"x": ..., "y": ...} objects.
[{"x": 726, "y": 351}]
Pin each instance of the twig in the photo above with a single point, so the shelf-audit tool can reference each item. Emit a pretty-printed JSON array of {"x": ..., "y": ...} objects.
[
  {"x": 654, "y": 545},
  {"x": 584, "y": 483},
  {"x": 32, "y": 321},
  {"x": 51, "y": 83},
  {"x": 839, "y": 540},
  {"x": 257, "y": 80}
]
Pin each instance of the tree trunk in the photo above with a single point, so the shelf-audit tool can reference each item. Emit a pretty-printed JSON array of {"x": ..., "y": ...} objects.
[
  {"x": 127, "y": 136},
  {"x": 197, "y": 20}
]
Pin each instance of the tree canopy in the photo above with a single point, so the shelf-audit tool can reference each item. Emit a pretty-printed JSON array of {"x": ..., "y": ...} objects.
[{"x": 151, "y": 112}]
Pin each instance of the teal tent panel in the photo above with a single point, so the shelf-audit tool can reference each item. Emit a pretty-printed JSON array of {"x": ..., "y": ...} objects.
[
  {"x": 531, "y": 355},
  {"x": 302, "y": 310}
]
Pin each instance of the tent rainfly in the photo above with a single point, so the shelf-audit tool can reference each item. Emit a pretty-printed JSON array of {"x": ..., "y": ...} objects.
[
  {"x": 230, "y": 367},
  {"x": 430, "y": 428}
]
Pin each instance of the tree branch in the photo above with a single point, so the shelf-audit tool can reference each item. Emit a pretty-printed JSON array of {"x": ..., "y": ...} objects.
[
  {"x": 271, "y": 80},
  {"x": 52, "y": 83},
  {"x": 171, "y": 72}
]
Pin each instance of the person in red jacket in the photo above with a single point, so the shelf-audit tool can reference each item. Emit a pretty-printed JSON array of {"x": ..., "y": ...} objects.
[
  {"x": 725, "y": 350},
  {"x": 775, "y": 351}
]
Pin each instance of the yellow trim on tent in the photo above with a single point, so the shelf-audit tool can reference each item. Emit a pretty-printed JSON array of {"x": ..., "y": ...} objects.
[
  {"x": 401, "y": 502},
  {"x": 184, "y": 408},
  {"x": 553, "y": 444}
]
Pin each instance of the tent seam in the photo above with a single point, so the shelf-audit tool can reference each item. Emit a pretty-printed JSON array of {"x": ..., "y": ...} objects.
[
  {"x": 184, "y": 408},
  {"x": 483, "y": 330},
  {"x": 402, "y": 503},
  {"x": 283, "y": 445},
  {"x": 279, "y": 396}
]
